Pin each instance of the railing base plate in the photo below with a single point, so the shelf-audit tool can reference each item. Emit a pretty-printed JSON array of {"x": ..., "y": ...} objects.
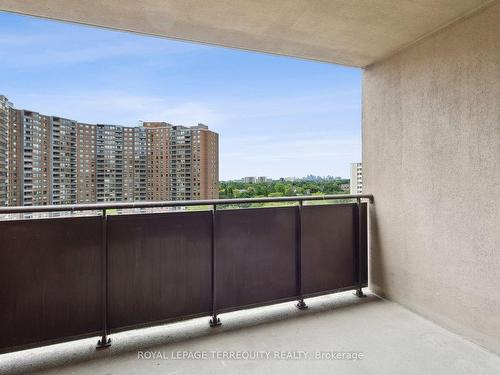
[
  {"x": 103, "y": 343},
  {"x": 301, "y": 305},
  {"x": 215, "y": 322},
  {"x": 359, "y": 293}
]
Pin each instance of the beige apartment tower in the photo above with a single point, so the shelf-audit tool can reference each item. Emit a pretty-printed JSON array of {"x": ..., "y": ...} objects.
[
  {"x": 205, "y": 163},
  {"x": 30, "y": 159},
  {"x": 63, "y": 160},
  {"x": 141, "y": 157},
  {"x": 183, "y": 162},
  {"x": 52, "y": 160},
  {"x": 86, "y": 163},
  {"x": 158, "y": 161},
  {"x": 5, "y": 108}
]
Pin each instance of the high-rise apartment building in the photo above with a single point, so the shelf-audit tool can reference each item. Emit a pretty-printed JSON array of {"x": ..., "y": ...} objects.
[
  {"x": 32, "y": 172},
  {"x": 14, "y": 157},
  {"x": 158, "y": 150},
  {"x": 141, "y": 182},
  {"x": 180, "y": 162},
  {"x": 184, "y": 161},
  {"x": 204, "y": 163},
  {"x": 109, "y": 163},
  {"x": 53, "y": 160},
  {"x": 86, "y": 163},
  {"x": 63, "y": 160},
  {"x": 5, "y": 108},
  {"x": 128, "y": 164},
  {"x": 356, "y": 178}
]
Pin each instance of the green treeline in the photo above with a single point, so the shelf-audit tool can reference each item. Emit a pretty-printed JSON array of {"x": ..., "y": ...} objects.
[{"x": 237, "y": 189}]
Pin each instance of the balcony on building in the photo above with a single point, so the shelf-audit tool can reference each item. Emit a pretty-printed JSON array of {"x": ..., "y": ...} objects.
[{"x": 422, "y": 244}]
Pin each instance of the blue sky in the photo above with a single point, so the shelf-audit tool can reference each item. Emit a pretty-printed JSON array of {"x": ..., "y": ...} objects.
[{"x": 276, "y": 116}]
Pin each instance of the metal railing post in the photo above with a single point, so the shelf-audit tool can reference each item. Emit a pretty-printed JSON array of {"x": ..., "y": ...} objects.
[
  {"x": 104, "y": 341},
  {"x": 359, "y": 290},
  {"x": 215, "y": 321},
  {"x": 301, "y": 304}
]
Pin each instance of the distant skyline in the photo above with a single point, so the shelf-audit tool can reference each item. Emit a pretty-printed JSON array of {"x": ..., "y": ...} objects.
[
  {"x": 305, "y": 178},
  {"x": 276, "y": 116}
]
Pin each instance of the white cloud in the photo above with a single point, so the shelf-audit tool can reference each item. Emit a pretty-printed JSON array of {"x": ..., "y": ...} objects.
[{"x": 116, "y": 107}]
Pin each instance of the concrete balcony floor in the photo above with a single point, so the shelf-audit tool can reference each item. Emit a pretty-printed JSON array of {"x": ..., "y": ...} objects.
[{"x": 392, "y": 339}]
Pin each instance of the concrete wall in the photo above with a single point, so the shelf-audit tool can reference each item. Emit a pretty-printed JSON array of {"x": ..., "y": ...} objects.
[{"x": 431, "y": 157}]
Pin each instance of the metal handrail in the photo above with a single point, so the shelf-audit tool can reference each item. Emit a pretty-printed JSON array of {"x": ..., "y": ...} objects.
[{"x": 153, "y": 204}]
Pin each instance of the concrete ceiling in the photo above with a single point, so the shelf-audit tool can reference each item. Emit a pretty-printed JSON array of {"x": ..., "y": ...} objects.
[{"x": 348, "y": 32}]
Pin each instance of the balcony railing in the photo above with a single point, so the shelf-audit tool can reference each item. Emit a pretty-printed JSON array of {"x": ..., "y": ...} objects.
[{"x": 72, "y": 277}]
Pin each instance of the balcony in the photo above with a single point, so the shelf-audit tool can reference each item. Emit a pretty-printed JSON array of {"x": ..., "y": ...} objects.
[
  {"x": 112, "y": 273},
  {"x": 430, "y": 157},
  {"x": 225, "y": 282}
]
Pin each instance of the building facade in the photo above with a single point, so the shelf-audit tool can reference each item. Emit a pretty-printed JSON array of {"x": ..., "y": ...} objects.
[
  {"x": 63, "y": 160},
  {"x": 32, "y": 164},
  {"x": 183, "y": 162},
  {"x": 356, "y": 178},
  {"x": 5, "y": 108},
  {"x": 158, "y": 150},
  {"x": 109, "y": 163},
  {"x": 141, "y": 182},
  {"x": 204, "y": 163},
  {"x": 52, "y": 160},
  {"x": 128, "y": 164},
  {"x": 180, "y": 162},
  {"x": 86, "y": 135},
  {"x": 249, "y": 180}
]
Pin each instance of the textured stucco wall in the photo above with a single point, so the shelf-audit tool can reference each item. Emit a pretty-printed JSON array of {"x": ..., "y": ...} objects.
[{"x": 431, "y": 157}]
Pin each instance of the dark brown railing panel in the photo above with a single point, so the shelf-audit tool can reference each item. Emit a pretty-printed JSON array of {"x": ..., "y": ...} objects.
[
  {"x": 255, "y": 256},
  {"x": 63, "y": 278},
  {"x": 328, "y": 238},
  {"x": 50, "y": 280},
  {"x": 159, "y": 267}
]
